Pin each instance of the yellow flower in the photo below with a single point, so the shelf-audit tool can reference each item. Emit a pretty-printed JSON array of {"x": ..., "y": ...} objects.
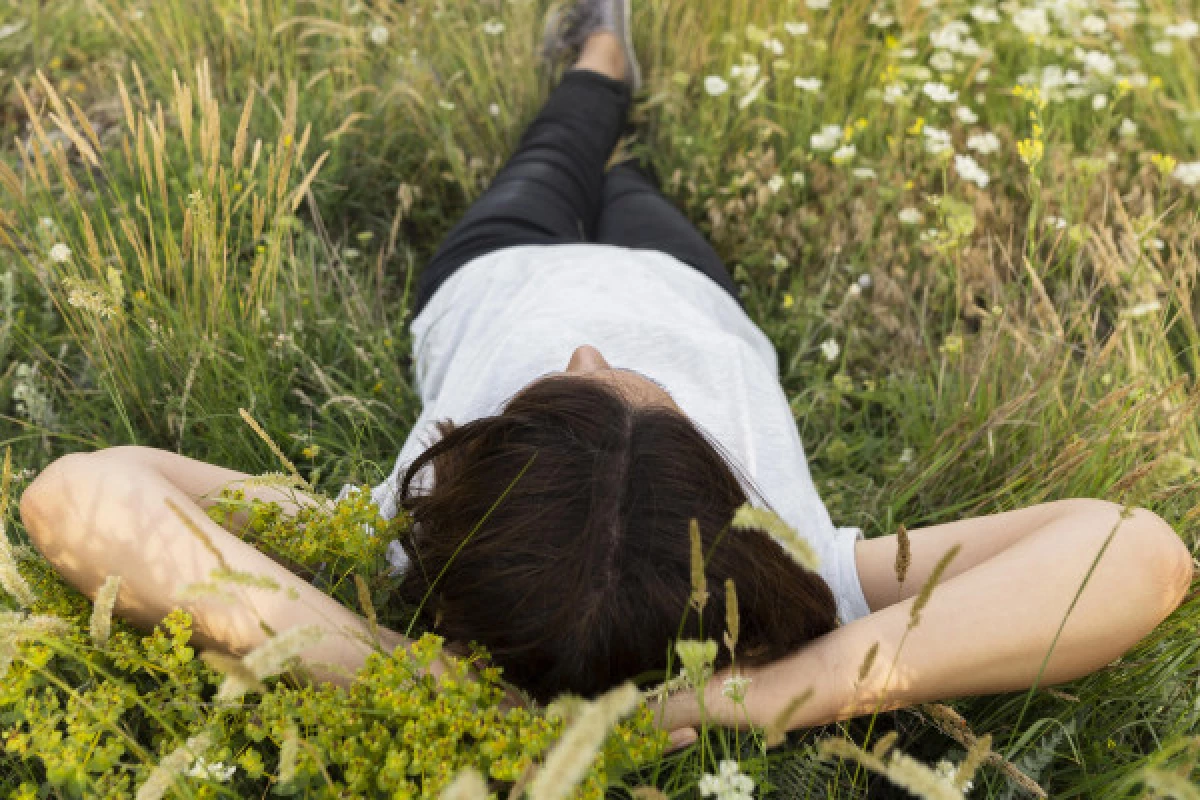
[
  {"x": 311, "y": 451},
  {"x": 1164, "y": 163},
  {"x": 378, "y": 387},
  {"x": 788, "y": 300},
  {"x": 917, "y": 126}
]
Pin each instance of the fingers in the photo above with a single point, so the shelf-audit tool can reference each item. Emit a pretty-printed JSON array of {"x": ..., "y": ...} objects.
[{"x": 681, "y": 738}]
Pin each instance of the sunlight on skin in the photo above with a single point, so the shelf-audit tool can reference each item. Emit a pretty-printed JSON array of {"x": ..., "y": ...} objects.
[
  {"x": 985, "y": 629},
  {"x": 98, "y": 514}
]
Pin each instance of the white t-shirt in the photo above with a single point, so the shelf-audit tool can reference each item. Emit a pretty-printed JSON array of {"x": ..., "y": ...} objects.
[{"x": 507, "y": 318}]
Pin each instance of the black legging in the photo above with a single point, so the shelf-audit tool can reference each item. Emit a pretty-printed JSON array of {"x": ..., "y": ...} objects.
[{"x": 554, "y": 190}]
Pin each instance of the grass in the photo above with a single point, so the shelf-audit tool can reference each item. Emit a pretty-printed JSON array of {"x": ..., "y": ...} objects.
[{"x": 246, "y": 190}]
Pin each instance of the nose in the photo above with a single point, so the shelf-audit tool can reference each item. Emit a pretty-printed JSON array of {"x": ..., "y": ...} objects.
[{"x": 586, "y": 358}]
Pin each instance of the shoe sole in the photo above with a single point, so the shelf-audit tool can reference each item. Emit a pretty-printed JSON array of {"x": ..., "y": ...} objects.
[{"x": 625, "y": 35}]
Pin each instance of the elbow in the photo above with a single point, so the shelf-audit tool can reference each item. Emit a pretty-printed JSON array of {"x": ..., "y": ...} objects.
[
  {"x": 1152, "y": 546},
  {"x": 45, "y": 493},
  {"x": 1171, "y": 560}
]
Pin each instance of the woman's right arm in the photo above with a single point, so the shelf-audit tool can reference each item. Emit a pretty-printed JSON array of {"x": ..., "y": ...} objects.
[{"x": 106, "y": 513}]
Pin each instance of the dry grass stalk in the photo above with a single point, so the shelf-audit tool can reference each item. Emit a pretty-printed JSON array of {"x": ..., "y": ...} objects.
[
  {"x": 164, "y": 774},
  {"x": 262, "y": 434},
  {"x": 573, "y": 754},
  {"x": 951, "y": 723},
  {"x": 11, "y": 579},
  {"x": 468, "y": 784},
  {"x": 699, "y": 583},
  {"x": 927, "y": 590},
  {"x": 885, "y": 744},
  {"x": 868, "y": 662},
  {"x": 747, "y": 516},
  {"x": 976, "y": 755},
  {"x": 364, "y": 600},
  {"x": 239, "y": 679},
  {"x": 903, "y": 554},
  {"x": 102, "y": 610},
  {"x": 776, "y": 731},
  {"x": 733, "y": 620}
]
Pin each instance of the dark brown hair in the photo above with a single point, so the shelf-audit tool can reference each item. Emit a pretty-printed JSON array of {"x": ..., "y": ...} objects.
[{"x": 579, "y": 577}]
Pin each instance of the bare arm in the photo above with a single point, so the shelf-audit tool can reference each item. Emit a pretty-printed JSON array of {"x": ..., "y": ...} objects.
[
  {"x": 105, "y": 513},
  {"x": 986, "y": 629}
]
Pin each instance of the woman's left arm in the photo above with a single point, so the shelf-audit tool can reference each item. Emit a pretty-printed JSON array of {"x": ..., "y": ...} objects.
[{"x": 984, "y": 630}]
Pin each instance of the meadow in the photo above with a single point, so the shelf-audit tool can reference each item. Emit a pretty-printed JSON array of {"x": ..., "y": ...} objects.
[{"x": 971, "y": 231}]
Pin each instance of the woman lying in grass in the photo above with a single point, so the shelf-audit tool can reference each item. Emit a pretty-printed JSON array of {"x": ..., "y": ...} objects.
[{"x": 551, "y": 480}]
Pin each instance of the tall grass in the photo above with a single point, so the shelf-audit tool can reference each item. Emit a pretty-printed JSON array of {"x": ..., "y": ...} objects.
[{"x": 214, "y": 206}]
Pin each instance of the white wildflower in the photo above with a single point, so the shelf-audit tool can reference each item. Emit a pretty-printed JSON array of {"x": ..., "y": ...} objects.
[
  {"x": 807, "y": 84},
  {"x": 30, "y": 399},
  {"x": 216, "y": 771},
  {"x": 1093, "y": 25},
  {"x": 1099, "y": 62},
  {"x": 379, "y": 35},
  {"x": 937, "y": 141},
  {"x": 60, "y": 253},
  {"x": 796, "y": 28},
  {"x": 1032, "y": 21},
  {"x": 817, "y": 5},
  {"x": 880, "y": 19},
  {"x": 1187, "y": 173},
  {"x": 774, "y": 45},
  {"x": 1127, "y": 128},
  {"x": 844, "y": 153},
  {"x": 779, "y": 262},
  {"x": 493, "y": 27},
  {"x": 735, "y": 688},
  {"x": 965, "y": 115},
  {"x": 910, "y": 216},
  {"x": 11, "y": 28},
  {"x": 906, "y": 456},
  {"x": 1162, "y": 47},
  {"x": 102, "y": 610},
  {"x": 893, "y": 92},
  {"x": 827, "y": 138},
  {"x": 775, "y": 183},
  {"x": 798, "y": 179},
  {"x": 747, "y": 71},
  {"x": 728, "y": 784},
  {"x": 939, "y": 92},
  {"x": 1187, "y": 29},
  {"x": 984, "y": 14},
  {"x": 983, "y": 143},
  {"x": 1099, "y": 101},
  {"x": 1056, "y": 222},
  {"x": 715, "y": 85},
  {"x": 494, "y": 110},
  {"x": 830, "y": 349},
  {"x": 982, "y": 75},
  {"x": 969, "y": 169},
  {"x": 942, "y": 60},
  {"x": 863, "y": 173},
  {"x": 865, "y": 281},
  {"x": 949, "y": 36}
]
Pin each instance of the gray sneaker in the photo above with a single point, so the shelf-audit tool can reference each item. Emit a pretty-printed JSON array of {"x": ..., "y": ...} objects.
[{"x": 567, "y": 30}]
